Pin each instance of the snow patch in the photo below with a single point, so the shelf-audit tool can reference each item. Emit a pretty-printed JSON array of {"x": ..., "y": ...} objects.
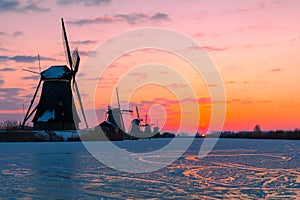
[{"x": 46, "y": 116}]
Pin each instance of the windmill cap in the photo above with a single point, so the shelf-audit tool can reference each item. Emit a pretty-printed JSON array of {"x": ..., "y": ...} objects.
[{"x": 57, "y": 72}]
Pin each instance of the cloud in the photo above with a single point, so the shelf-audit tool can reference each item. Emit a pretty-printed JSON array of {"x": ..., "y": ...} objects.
[
  {"x": 10, "y": 92},
  {"x": 230, "y": 82},
  {"x": 140, "y": 75},
  {"x": 18, "y": 33},
  {"x": 160, "y": 16},
  {"x": 4, "y": 49},
  {"x": 261, "y": 26},
  {"x": 2, "y": 33},
  {"x": 207, "y": 48},
  {"x": 99, "y": 20},
  {"x": 1, "y": 80},
  {"x": 21, "y": 6},
  {"x": 240, "y": 101},
  {"x": 177, "y": 85},
  {"x": 260, "y": 6},
  {"x": 23, "y": 58},
  {"x": 7, "y": 69},
  {"x": 211, "y": 48},
  {"x": 10, "y": 98},
  {"x": 131, "y": 18},
  {"x": 198, "y": 35},
  {"x": 84, "y": 2},
  {"x": 276, "y": 70},
  {"x": 33, "y": 77},
  {"x": 84, "y": 42}
]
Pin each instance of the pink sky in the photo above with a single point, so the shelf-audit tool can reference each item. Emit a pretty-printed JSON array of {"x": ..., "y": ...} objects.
[{"x": 254, "y": 44}]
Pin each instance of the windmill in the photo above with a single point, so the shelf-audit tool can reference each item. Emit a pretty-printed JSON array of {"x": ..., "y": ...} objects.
[
  {"x": 56, "y": 109},
  {"x": 147, "y": 126},
  {"x": 135, "y": 123},
  {"x": 115, "y": 115},
  {"x": 113, "y": 127}
]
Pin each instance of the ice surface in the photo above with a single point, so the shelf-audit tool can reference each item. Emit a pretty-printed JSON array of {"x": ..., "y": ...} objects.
[{"x": 235, "y": 169}]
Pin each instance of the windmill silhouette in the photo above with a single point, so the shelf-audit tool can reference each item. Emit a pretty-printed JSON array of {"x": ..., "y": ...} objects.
[
  {"x": 56, "y": 109},
  {"x": 147, "y": 126},
  {"x": 135, "y": 123}
]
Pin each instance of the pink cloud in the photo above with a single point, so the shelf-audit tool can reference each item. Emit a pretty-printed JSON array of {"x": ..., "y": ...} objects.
[{"x": 276, "y": 70}]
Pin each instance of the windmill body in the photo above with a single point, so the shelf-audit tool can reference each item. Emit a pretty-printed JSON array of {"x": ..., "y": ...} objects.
[{"x": 56, "y": 109}]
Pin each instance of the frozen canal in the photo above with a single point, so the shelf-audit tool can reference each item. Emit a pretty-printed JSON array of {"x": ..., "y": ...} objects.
[{"x": 236, "y": 168}]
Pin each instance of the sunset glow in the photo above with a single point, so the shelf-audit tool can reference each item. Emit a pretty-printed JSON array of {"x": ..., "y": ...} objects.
[{"x": 253, "y": 44}]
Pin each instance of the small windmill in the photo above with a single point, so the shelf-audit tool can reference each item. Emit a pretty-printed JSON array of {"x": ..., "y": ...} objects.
[
  {"x": 135, "y": 123},
  {"x": 147, "y": 126},
  {"x": 115, "y": 115},
  {"x": 56, "y": 109}
]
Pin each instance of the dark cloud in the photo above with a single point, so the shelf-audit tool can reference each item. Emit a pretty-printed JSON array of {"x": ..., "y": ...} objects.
[
  {"x": 21, "y": 6},
  {"x": 33, "y": 77},
  {"x": 10, "y": 92},
  {"x": 84, "y": 2},
  {"x": 4, "y": 49},
  {"x": 1, "y": 80},
  {"x": 23, "y": 58},
  {"x": 2, "y": 33},
  {"x": 160, "y": 16},
  {"x": 84, "y": 42},
  {"x": 18, "y": 33},
  {"x": 10, "y": 100},
  {"x": 88, "y": 53},
  {"x": 99, "y": 20},
  {"x": 7, "y": 69},
  {"x": 132, "y": 18}
]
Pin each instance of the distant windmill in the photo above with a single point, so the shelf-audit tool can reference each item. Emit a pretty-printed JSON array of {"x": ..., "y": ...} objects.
[
  {"x": 56, "y": 105},
  {"x": 135, "y": 123},
  {"x": 147, "y": 126}
]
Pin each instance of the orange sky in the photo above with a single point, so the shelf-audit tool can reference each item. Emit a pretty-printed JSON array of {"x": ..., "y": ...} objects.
[{"x": 254, "y": 45}]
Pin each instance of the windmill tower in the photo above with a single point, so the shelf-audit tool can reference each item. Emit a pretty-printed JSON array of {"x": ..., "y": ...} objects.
[{"x": 56, "y": 109}]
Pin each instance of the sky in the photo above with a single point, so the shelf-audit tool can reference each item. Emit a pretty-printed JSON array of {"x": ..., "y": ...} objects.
[{"x": 253, "y": 44}]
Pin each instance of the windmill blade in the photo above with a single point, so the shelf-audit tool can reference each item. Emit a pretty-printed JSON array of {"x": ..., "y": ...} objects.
[
  {"x": 137, "y": 113},
  {"x": 80, "y": 102},
  {"x": 75, "y": 61},
  {"x": 27, "y": 70},
  {"x": 130, "y": 111},
  {"x": 66, "y": 45}
]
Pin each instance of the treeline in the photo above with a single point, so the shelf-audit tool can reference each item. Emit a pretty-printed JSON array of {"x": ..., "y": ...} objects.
[{"x": 277, "y": 134}]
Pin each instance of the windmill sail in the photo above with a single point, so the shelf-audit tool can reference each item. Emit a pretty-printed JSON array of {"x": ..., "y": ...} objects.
[
  {"x": 66, "y": 45},
  {"x": 75, "y": 60}
]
